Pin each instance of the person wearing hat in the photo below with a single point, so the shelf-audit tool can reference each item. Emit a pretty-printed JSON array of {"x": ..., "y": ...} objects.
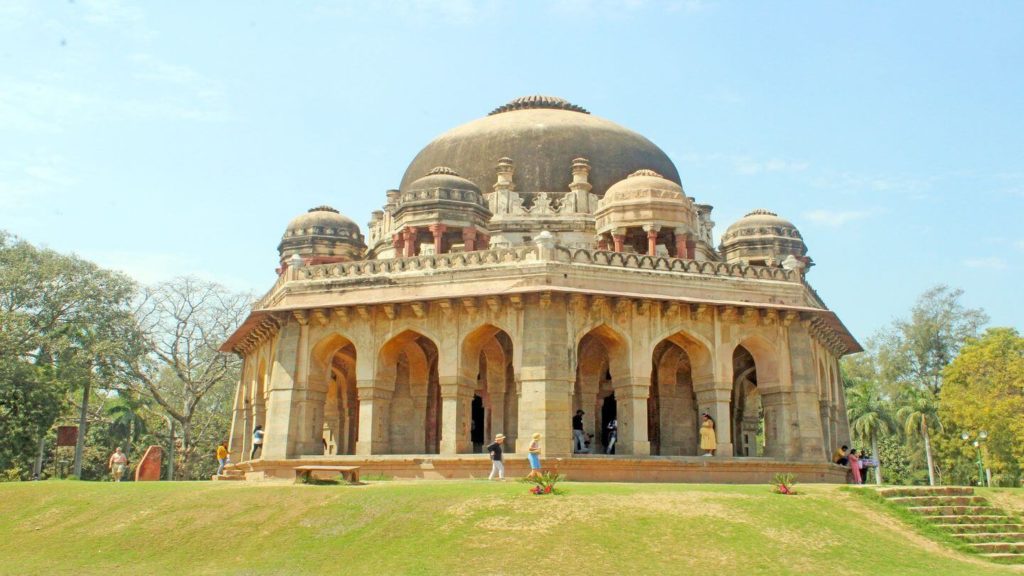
[
  {"x": 534, "y": 456},
  {"x": 497, "y": 465}
]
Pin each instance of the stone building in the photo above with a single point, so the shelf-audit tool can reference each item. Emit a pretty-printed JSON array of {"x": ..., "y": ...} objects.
[{"x": 533, "y": 262}]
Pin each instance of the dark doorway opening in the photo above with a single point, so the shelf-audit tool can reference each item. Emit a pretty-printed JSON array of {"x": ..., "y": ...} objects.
[
  {"x": 608, "y": 423},
  {"x": 476, "y": 433}
]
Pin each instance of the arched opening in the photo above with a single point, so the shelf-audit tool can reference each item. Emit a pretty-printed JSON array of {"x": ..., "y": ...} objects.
[
  {"x": 333, "y": 417},
  {"x": 609, "y": 423},
  {"x": 602, "y": 360},
  {"x": 487, "y": 361},
  {"x": 672, "y": 408},
  {"x": 747, "y": 409},
  {"x": 408, "y": 368}
]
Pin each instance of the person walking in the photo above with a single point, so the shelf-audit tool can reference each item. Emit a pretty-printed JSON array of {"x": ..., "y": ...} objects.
[
  {"x": 222, "y": 457},
  {"x": 579, "y": 438},
  {"x": 708, "y": 443},
  {"x": 257, "y": 441},
  {"x": 613, "y": 435},
  {"x": 533, "y": 455},
  {"x": 497, "y": 464},
  {"x": 117, "y": 464}
]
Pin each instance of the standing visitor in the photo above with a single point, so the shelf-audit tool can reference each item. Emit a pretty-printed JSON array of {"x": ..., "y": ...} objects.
[
  {"x": 708, "y": 443},
  {"x": 579, "y": 439},
  {"x": 222, "y": 457},
  {"x": 854, "y": 465},
  {"x": 613, "y": 435},
  {"x": 117, "y": 464},
  {"x": 257, "y": 441},
  {"x": 533, "y": 455},
  {"x": 497, "y": 465}
]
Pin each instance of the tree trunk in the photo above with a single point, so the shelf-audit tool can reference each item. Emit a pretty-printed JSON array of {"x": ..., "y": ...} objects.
[
  {"x": 80, "y": 443},
  {"x": 878, "y": 458},
  {"x": 186, "y": 439},
  {"x": 37, "y": 470},
  {"x": 928, "y": 452},
  {"x": 170, "y": 451}
]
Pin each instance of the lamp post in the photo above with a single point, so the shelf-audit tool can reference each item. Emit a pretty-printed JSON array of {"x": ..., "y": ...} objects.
[{"x": 982, "y": 436}]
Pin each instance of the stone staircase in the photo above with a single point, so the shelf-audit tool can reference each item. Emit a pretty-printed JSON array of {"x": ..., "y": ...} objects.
[
  {"x": 229, "y": 474},
  {"x": 988, "y": 531}
]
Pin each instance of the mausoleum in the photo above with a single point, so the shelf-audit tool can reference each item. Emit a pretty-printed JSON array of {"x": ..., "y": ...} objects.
[{"x": 534, "y": 262}]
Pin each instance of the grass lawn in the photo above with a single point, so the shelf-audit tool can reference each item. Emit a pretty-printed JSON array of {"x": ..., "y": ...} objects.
[{"x": 458, "y": 527}]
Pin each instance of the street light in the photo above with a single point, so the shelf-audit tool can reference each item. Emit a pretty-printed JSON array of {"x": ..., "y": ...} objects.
[{"x": 982, "y": 436}]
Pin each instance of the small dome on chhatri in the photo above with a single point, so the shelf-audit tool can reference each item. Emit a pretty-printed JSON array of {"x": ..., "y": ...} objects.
[
  {"x": 322, "y": 221},
  {"x": 445, "y": 178},
  {"x": 644, "y": 183},
  {"x": 760, "y": 222}
]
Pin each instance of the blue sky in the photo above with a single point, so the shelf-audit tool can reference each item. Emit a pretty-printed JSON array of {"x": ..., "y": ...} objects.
[{"x": 174, "y": 138}]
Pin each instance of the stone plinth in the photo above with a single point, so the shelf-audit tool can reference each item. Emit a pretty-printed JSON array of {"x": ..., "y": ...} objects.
[{"x": 151, "y": 464}]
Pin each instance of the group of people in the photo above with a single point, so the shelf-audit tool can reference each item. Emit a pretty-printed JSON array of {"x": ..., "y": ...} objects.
[
  {"x": 581, "y": 441},
  {"x": 494, "y": 449},
  {"x": 856, "y": 460}
]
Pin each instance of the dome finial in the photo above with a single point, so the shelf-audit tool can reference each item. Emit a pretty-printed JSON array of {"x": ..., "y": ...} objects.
[{"x": 538, "y": 101}]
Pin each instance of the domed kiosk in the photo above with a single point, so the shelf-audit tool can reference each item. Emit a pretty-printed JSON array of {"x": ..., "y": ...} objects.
[{"x": 531, "y": 263}]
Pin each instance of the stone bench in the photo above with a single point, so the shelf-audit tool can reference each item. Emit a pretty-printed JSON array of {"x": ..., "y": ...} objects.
[{"x": 349, "y": 473}]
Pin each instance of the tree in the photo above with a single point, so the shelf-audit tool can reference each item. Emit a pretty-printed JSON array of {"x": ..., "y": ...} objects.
[
  {"x": 917, "y": 349},
  {"x": 918, "y": 412},
  {"x": 984, "y": 390},
  {"x": 60, "y": 323},
  {"x": 181, "y": 324},
  {"x": 869, "y": 417}
]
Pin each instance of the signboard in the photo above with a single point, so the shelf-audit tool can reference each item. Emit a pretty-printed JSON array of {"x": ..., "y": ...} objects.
[{"x": 67, "y": 435}]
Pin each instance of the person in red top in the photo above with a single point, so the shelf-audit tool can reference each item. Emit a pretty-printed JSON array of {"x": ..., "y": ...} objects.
[{"x": 854, "y": 462}]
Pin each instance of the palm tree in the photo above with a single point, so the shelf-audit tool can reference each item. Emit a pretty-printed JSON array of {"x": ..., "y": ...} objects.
[
  {"x": 126, "y": 422},
  {"x": 869, "y": 416},
  {"x": 918, "y": 410}
]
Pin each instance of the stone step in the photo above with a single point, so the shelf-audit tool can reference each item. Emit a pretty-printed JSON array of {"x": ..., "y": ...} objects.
[
  {"x": 953, "y": 510},
  {"x": 999, "y": 547},
  {"x": 926, "y": 491},
  {"x": 223, "y": 477},
  {"x": 982, "y": 528},
  {"x": 969, "y": 519},
  {"x": 939, "y": 500},
  {"x": 991, "y": 536},
  {"x": 1005, "y": 557}
]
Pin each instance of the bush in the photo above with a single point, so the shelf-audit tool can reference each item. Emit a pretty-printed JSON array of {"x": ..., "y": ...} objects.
[
  {"x": 784, "y": 484},
  {"x": 545, "y": 483}
]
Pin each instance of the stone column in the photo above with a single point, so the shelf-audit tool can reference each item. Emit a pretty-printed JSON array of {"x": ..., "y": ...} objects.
[
  {"x": 438, "y": 230},
  {"x": 456, "y": 411},
  {"x": 374, "y": 404},
  {"x": 826, "y": 425},
  {"x": 652, "y": 238},
  {"x": 310, "y": 418},
  {"x": 398, "y": 241},
  {"x": 777, "y": 443},
  {"x": 236, "y": 440},
  {"x": 691, "y": 248},
  {"x": 631, "y": 411},
  {"x": 411, "y": 244},
  {"x": 681, "y": 243},
  {"x": 602, "y": 242},
  {"x": 545, "y": 399},
  {"x": 280, "y": 433},
  {"x": 715, "y": 403},
  {"x": 469, "y": 239},
  {"x": 619, "y": 241}
]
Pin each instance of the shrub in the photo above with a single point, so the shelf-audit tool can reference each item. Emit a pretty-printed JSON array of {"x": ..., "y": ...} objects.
[{"x": 784, "y": 484}]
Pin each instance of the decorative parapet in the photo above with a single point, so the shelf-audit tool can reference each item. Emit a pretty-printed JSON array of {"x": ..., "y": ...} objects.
[{"x": 518, "y": 256}]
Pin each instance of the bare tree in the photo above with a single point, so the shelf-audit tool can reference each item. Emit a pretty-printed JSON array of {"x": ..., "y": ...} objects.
[{"x": 181, "y": 324}]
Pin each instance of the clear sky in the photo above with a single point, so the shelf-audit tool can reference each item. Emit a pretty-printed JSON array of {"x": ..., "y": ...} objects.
[{"x": 180, "y": 137}]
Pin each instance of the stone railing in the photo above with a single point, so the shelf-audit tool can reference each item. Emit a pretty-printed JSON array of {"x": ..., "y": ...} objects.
[{"x": 518, "y": 256}]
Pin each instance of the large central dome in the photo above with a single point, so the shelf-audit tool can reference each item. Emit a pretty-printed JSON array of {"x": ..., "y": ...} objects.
[{"x": 542, "y": 135}]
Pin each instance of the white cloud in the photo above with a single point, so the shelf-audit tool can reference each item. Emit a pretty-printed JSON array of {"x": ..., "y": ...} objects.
[
  {"x": 986, "y": 263},
  {"x": 835, "y": 218},
  {"x": 775, "y": 165}
]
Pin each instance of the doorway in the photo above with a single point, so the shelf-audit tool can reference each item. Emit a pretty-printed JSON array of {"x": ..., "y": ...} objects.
[
  {"x": 608, "y": 417},
  {"x": 476, "y": 433}
]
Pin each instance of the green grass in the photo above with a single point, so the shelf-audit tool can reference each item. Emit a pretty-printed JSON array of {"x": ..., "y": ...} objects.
[{"x": 458, "y": 527}]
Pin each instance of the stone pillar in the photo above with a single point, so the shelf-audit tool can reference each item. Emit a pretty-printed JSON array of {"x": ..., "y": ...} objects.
[
  {"x": 691, "y": 249},
  {"x": 411, "y": 244},
  {"x": 398, "y": 240},
  {"x": 419, "y": 407},
  {"x": 438, "y": 230},
  {"x": 497, "y": 398},
  {"x": 469, "y": 239},
  {"x": 280, "y": 429},
  {"x": 456, "y": 412},
  {"x": 545, "y": 381},
  {"x": 652, "y": 238},
  {"x": 631, "y": 409},
  {"x": 620, "y": 241},
  {"x": 715, "y": 403},
  {"x": 681, "y": 244},
  {"x": 777, "y": 443},
  {"x": 374, "y": 404},
  {"x": 580, "y": 186},
  {"x": 236, "y": 440},
  {"x": 310, "y": 416},
  {"x": 826, "y": 425},
  {"x": 805, "y": 424},
  {"x": 602, "y": 242}
]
